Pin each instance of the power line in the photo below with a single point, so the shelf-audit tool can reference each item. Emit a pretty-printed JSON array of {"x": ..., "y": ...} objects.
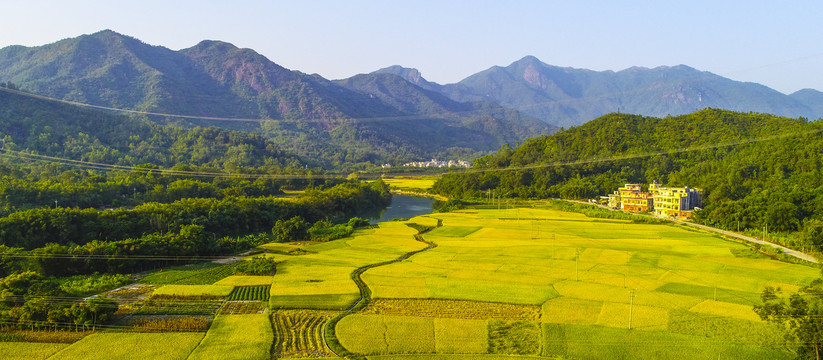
[
  {"x": 592, "y": 160},
  {"x": 343, "y": 119}
]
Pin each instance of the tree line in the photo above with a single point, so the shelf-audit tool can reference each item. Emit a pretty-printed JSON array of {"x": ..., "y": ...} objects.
[{"x": 772, "y": 182}]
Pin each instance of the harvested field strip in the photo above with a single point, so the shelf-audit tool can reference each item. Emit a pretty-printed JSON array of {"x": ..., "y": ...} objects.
[
  {"x": 250, "y": 293},
  {"x": 169, "y": 323},
  {"x": 453, "y": 309},
  {"x": 179, "y": 307},
  {"x": 514, "y": 337},
  {"x": 300, "y": 334}
]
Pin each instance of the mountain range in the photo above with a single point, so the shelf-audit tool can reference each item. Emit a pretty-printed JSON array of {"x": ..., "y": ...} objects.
[
  {"x": 567, "y": 97},
  {"x": 369, "y": 118},
  {"x": 392, "y": 114}
]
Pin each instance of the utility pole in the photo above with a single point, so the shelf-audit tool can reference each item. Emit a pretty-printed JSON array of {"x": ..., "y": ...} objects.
[{"x": 631, "y": 305}]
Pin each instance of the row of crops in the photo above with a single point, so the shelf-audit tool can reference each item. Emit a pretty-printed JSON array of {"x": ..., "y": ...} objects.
[
  {"x": 250, "y": 293},
  {"x": 299, "y": 334}
]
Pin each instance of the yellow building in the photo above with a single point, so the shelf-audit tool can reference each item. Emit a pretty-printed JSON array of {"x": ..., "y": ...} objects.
[
  {"x": 633, "y": 199},
  {"x": 677, "y": 202}
]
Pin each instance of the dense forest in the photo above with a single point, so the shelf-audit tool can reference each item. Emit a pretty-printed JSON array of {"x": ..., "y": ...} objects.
[
  {"x": 756, "y": 169},
  {"x": 87, "y": 197},
  {"x": 43, "y": 248}
]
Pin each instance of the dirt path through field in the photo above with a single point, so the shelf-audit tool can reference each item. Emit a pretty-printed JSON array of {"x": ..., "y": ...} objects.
[
  {"x": 365, "y": 291},
  {"x": 787, "y": 251}
]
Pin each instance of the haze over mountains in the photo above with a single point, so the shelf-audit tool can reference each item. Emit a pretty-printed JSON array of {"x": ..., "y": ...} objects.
[
  {"x": 391, "y": 114},
  {"x": 401, "y": 122},
  {"x": 567, "y": 97}
]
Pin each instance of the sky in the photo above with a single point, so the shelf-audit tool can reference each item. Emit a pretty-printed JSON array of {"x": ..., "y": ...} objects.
[{"x": 776, "y": 43}]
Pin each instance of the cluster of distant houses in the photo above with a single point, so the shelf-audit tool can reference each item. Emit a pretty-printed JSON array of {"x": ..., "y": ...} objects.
[
  {"x": 670, "y": 202},
  {"x": 436, "y": 163}
]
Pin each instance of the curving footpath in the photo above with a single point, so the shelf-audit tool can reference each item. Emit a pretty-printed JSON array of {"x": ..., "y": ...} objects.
[{"x": 365, "y": 293}]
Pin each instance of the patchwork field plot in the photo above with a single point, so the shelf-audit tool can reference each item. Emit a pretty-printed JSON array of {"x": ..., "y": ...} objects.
[
  {"x": 321, "y": 279},
  {"x": 193, "y": 291},
  {"x": 137, "y": 346},
  {"x": 250, "y": 293},
  {"x": 410, "y": 184},
  {"x": 299, "y": 334},
  {"x": 599, "y": 342},
  {"x": 155, "y": 306},
  {"x": 454, "y": 309},
  {"x": 245, "y": 280},
  {"x": 28, "y": 350},
  {"x": 241, "y": 337},
  {"x": 381, "y": 334},
  {"x": 585, "y": 277}
]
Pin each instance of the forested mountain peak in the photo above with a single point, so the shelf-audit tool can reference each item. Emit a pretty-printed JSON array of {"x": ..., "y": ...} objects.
[{"x": 234, "y": 66}]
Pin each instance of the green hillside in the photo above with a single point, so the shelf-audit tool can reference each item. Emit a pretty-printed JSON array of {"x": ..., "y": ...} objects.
[
  {"x": 311, "y": 116},
  {"x": 757, "y": 169}
]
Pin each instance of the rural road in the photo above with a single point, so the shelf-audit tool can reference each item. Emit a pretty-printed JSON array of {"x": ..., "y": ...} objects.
[{"x": 787, "y": 251}]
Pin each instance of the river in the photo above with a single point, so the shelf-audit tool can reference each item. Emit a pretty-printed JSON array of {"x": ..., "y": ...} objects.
[{"x": 405, "y": 207}]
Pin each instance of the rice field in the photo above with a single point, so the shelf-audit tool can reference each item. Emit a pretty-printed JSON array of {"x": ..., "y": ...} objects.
[
  {"x": 410, "y": 183},
  {"x": 250, "y": 293},
  {"x": 245, "y": 280},
  {"x": 454, "y": 309},
  {"x": 137, "y": 346},
  {"x": 193, "y": 291},
  {"x": 321, "y": 277},
  {"x": 28, "y": 350},
  {"x": 242, "y": 337},
  {"x": 589, "y": 280},
  {"x": 299, "y": 334},
  {"x": 385, "y": 334}
]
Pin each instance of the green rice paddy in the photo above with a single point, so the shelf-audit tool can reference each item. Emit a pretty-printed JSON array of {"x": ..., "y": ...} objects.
[
  {"x": 137, "y": 346},
  {"x": 242, "y": 337}
]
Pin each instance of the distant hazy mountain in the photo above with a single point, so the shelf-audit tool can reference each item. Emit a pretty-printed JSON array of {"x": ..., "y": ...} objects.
[
  {"x": 481, "y": 117},
  {"x": 568, "y": 96},
  {"x": 411, "y": 75},
  {"x": 811, "y": 98},
  {"x": 217, "y": 79}
]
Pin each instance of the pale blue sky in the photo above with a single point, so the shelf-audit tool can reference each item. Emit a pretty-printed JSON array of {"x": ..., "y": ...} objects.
[{"x": 778, "y": 44}]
